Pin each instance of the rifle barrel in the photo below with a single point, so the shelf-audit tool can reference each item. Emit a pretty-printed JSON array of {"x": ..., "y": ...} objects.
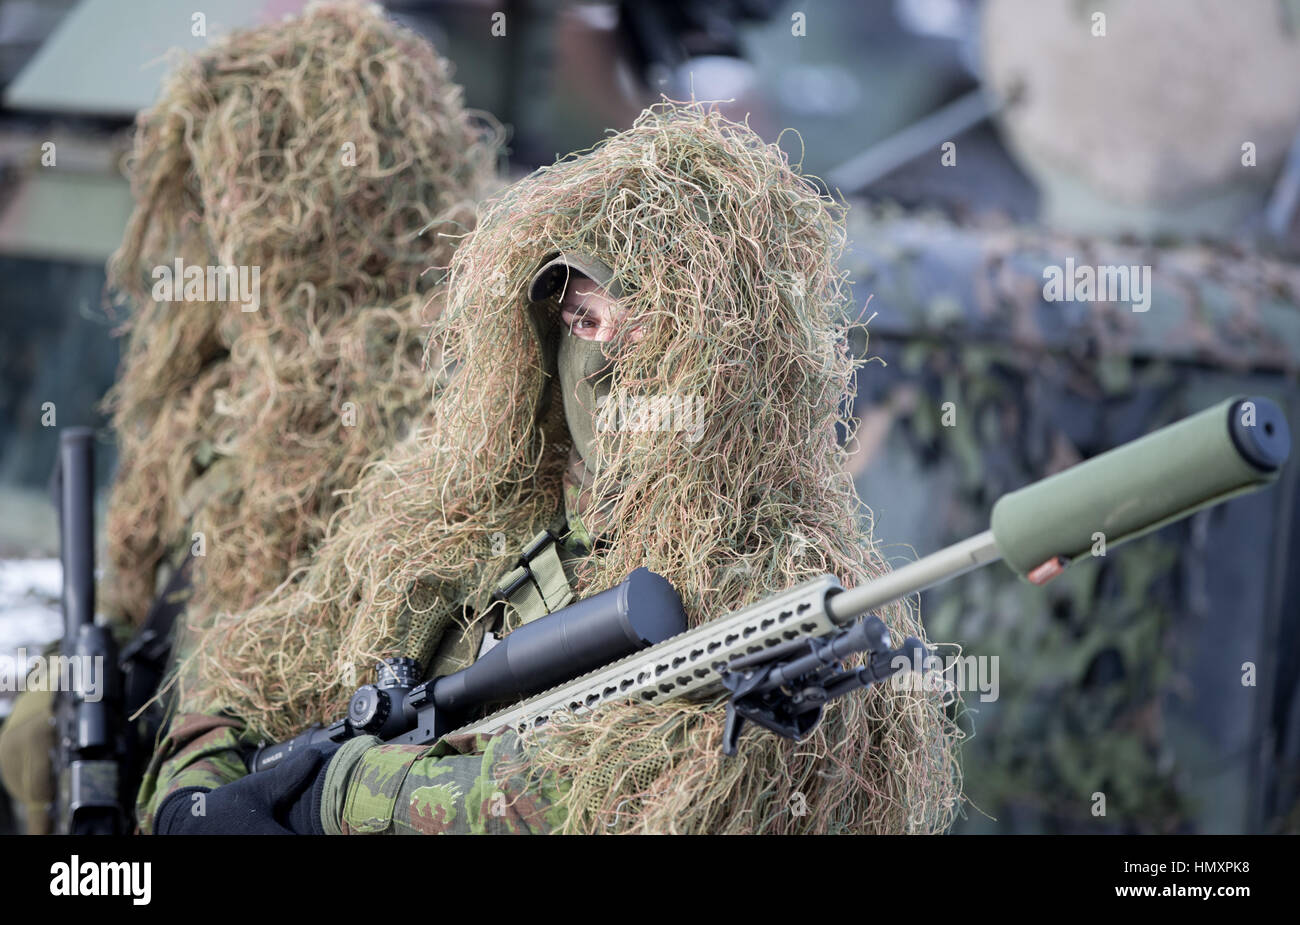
[
  {"x": 925, "y": 572},
  {"x": 1236, "y": 446}
]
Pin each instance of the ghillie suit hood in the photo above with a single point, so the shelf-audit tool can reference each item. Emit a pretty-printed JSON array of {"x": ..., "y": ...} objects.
[
  {"x": 727, "y": 261},
  {"x": 315, "y": 150}
]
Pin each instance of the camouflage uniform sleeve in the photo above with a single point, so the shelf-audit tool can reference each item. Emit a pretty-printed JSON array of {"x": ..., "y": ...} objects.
[
  {"x": 480, "y": 787},
  {"x": 199, "y": 750}
]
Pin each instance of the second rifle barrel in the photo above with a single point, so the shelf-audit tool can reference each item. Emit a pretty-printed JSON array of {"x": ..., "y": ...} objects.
[{"x": 76, "y": 510}]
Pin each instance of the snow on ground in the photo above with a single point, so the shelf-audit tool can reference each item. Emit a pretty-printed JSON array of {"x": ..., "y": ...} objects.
[
  {"x": 30, "y": 576},
  {"x": 30, "y": 617}
]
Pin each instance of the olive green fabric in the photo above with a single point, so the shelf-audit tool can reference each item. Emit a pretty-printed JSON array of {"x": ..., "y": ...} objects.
[
  {"x": 540, "y": 587},
  {"x": 1164, "y": 476},
  {"x": 584, "y": 384},
  {"x": 553, "y": 275},
  {"x": 26, "y": 746},
  {"x": 587, "y": 515},
  {"x": 552, "y": 584}
]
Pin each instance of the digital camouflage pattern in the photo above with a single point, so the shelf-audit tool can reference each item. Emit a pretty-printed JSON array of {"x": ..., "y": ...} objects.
[
  {"x": 728, "y": 260},
  {"x": 1097, "y": 691},
  {"x": 475, "y": 786},
  {"x": 472, "y": 787}
]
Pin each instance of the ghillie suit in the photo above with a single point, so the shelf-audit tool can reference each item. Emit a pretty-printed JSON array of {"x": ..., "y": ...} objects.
[
  {"x": 315, "y": 150},
  {"x": 726, "y": 262}
]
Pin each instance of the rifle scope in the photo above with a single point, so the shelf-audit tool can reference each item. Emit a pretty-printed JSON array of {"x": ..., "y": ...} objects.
[{"x": 641, "y": 611}]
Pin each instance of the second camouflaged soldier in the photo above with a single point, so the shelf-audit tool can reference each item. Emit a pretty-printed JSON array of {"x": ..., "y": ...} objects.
[{"x": 261, "y": 154}]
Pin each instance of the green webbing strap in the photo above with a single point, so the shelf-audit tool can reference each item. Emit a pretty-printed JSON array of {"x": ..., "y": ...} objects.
[
  {"x": 548, "y": 572},
  {"x": 537, "y": 585}
]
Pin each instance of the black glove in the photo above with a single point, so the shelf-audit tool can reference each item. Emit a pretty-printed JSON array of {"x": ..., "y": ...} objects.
[{"x": 283, "y": 801}]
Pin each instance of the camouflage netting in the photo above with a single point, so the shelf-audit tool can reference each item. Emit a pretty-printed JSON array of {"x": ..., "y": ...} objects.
[
  {"x": 1115, "y": 677},
  {"x": 729, "y": 264},
  {"x": 316, "y": 149}
]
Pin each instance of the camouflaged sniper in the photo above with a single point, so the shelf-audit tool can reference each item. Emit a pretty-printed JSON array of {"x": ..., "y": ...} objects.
[
  {"x": 412, "y": 562},
  {"x": 568, "y": 787},
  {"x": 1236, "y": 446},
  {"x": 207, "y": 391}
]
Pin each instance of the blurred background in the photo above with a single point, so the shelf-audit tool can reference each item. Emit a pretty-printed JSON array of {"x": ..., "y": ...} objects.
[{"x": 978, "y": 143}]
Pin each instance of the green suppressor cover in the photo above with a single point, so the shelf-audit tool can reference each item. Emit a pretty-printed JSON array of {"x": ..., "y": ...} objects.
[{"x": 1234, "y": 447}]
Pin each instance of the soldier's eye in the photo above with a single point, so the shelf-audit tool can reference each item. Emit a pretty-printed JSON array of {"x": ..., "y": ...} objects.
[{"x": 579, "y": 321}]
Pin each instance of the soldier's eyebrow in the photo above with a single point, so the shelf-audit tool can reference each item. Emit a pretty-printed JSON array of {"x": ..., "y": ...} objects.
[
  {"x": 578, "y": 309},
  {"x": 582, "y": 304}
]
